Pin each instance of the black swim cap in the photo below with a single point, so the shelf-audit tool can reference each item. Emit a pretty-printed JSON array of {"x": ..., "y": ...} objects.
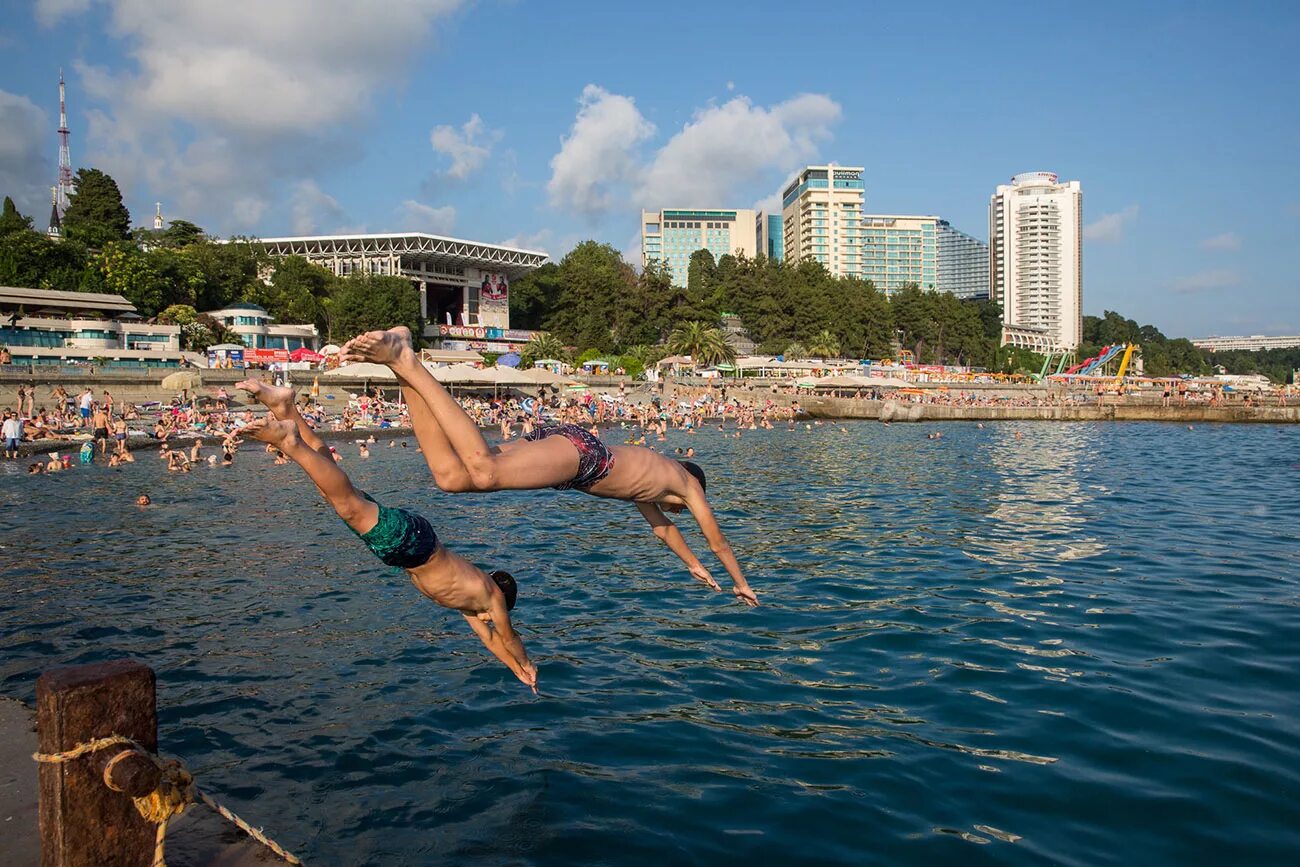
[
  {"x": 506, "y": 582},
  {"x": 694, "y": 469}
]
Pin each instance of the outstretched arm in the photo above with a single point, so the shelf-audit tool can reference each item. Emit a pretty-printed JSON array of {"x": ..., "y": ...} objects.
[
  {"x": 504, "y": 644},
  {"x": 667, "y": 532},
  {"x": 703, "y": 512}
]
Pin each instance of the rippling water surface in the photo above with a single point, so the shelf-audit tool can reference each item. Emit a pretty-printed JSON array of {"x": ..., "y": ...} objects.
[{"x": 1079, "y": 647}]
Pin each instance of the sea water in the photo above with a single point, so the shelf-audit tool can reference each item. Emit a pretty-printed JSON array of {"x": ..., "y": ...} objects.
[{"x": 1081, "y": 646}]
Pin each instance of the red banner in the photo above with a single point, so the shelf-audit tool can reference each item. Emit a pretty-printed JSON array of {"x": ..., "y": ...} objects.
[{"x": 265, "y": 356}]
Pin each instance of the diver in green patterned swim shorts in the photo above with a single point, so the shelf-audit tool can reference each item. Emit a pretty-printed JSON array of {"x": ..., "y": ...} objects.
[{"x": 400, "y": 538}]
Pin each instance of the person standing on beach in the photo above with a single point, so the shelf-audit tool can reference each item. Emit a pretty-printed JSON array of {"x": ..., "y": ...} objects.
[
  {"x": 398, "y": 537},
  {"x": 85, "y": 402},
  {"x": 12, "y": 434},
  {"x": 564, "y": 457},
  {"x": 99, "y": 427}
]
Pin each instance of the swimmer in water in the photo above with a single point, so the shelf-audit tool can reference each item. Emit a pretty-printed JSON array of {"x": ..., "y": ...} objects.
[
  {"x": 405, "y": 540},
  {"x": 564, "y": 457}
]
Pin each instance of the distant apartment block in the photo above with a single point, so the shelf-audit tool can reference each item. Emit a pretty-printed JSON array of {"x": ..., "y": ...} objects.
[
  {"x": 898, "y": 250},
  {"x": 963, "y": 263},
  {"x": 821, "y": 216},
  {"x": 1253, "y": 343},
  {"x": 771, "y": 240},
  {"x": 670, "y": 236},
  {"x": 1036, "y": 260}
]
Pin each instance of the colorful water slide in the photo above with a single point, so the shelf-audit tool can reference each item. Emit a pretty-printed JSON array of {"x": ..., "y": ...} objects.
[
  {"x": 1106, "y": 355},
  {"x": 1091, "y": 365}
]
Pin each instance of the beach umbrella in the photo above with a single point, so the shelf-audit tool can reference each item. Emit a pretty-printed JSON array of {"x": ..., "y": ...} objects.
[
  {"x": 182, "y": 379},
  {"x": 510, "y": 359},
  {"x": 362, "y": 370},
  {"x": 305, "y": 354},
  {"x": 330, "y": 349}
]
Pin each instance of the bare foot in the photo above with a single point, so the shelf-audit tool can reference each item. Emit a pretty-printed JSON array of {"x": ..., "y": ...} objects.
[
  {"x": 278, "y": 399},
  {"x": 277, "y": 433},
  {"x": 381, "y": 347}
]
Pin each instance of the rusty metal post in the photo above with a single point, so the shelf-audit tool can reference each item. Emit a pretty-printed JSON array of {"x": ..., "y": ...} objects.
[{"x": 82, "y": 821}]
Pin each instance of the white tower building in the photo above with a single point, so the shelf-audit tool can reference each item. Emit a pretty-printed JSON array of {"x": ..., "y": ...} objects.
[
  {"x": 821, "y": 218},
  {"x": 1036, "y": 260}
]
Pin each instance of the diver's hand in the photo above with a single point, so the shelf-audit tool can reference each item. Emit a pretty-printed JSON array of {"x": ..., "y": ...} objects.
[
  {"x": 699, "y": 573},
  {"x": 745, "y": 594}
]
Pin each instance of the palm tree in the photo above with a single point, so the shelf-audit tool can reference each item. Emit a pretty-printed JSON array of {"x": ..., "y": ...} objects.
[
  {"x": 705, "y": 344},
  {"x": 543, "y": 345},
  {"x": 824, "y": 345},
  {"x": 794, "y": 349}
]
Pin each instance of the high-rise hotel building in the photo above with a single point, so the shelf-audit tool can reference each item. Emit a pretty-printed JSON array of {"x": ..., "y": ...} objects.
[
  {"x": 670, "y": 236},
  {"x": 821, "y": 217},
  {"x": 1036, "y": 260},
  {"x": 898, "y": 250},
  {"x": 963, "y": 263}
]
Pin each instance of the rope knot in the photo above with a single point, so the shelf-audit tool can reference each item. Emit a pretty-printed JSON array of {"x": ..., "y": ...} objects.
[{"x": 175, "y": 792}]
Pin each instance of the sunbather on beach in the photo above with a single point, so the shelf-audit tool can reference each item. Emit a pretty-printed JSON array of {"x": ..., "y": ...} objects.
[
  {"x": 398, "y": 537},
  {"x": 565, "y": 457}
]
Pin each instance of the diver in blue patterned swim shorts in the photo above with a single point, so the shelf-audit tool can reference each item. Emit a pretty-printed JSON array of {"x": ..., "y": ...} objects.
[
  {"x": 565, "y": 457},
  {"x": 398, "y": 537}
]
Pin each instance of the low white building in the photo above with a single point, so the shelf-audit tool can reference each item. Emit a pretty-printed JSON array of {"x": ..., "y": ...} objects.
[
  {"x": 43, "y": 326},
  {"x": 258, "y": 329}
]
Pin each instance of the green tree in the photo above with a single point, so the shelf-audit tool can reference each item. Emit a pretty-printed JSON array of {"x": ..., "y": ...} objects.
[
  {"x": 595, "y": 282},
  {"x": 544, "y": 345},
  {"x": 128, "y": 272},
  {"x": 95, "y": 214},
  {"x": 181, "y": 233},
  {"x": 824, "y": 345},
  {"x": 30, "y": 259},
  {"x": 230, "y": 272},
  {"x": 369, "y": 303},
  {"x": 298, "y": 290},
  {"x": 794, "y": 351},
  {"x": 11, "y": 221},
  {"x": 705, "y": 344},
  {"x": 534, "y": 295},
  {"x": 181, "y": 277}
]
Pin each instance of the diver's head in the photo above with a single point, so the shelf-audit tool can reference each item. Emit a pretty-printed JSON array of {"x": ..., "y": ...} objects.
[
  {"x": 694, "y": 469},
  {"x": 506, "y": 582}
]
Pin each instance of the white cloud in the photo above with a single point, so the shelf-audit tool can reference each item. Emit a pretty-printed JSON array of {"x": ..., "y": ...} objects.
[
  {"x": 1109, "y": 228},
  {"x": 315, "y": 210},
  {"x": 266, "y": 93},
  {"x": 769, "y": 204},
  {"x": 26, "y": 165},
  {"x": 419, "y": 217},
  {"x": 599, "y": 155},
  {"x": 1228, "y": 241},
  {"x": 731, "y": 146},
  {"x": 468, "y": 149},
  {"x": 731, "y": 85},
  {"x": 530, "y": 240},
  {"x": 723, "y": 150},
  {"x": 1211, "y": 280}
]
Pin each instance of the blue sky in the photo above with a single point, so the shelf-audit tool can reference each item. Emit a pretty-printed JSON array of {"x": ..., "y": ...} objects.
[{"x": 545, "y": 123}]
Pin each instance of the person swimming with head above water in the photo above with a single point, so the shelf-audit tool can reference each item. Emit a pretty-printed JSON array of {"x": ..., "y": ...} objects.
[
  {"x": 398, "y": 537},
  {"x": 564, "y": 457}
]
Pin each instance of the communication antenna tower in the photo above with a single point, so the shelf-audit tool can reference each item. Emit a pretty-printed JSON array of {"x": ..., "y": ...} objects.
[{"x": 65, "y": 153}]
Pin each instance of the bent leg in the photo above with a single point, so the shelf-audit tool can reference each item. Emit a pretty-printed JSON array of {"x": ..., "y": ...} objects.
[
  {"x": 541, "y": 464},
  {"x": 448, "y": 472}
]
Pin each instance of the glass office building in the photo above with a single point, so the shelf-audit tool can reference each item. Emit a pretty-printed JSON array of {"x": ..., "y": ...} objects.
[
  {"x": 898, "y": 250},
  {"x": 670, "y": 236}
]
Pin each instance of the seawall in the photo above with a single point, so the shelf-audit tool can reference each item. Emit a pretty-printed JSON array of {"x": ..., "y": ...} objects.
[{"x": 902, "y": 411}]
